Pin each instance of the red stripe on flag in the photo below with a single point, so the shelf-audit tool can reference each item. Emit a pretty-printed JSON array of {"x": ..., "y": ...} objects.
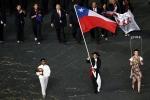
[{"x": 89, "y": 22}]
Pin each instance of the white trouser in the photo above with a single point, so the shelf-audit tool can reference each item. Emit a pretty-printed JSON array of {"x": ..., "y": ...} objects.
[
  {"x": 98, "y": 82},
  {"x": 43, "y": 82}
]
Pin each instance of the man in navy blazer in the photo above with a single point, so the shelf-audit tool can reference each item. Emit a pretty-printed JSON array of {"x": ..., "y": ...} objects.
[{"x": 58, "y": 20}]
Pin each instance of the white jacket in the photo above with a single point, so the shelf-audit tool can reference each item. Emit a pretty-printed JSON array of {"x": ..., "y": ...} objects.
[{"x": 46, "y": 70}]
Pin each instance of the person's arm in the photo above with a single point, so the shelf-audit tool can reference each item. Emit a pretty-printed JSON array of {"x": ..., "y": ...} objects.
[
  {"x": 141, "y": 61},
  {"x": 3, "y": 19},
  {"x": 130, "y": 61},
  {"x": 52, "y": 19},
  {"x": 70, "y": 19},
  {"x": 40, "y": 13},
  {"x": 24, "y": 13},
  {"x": 32, "y": 16},
  {"x": 88, "y": 59},
  {"x": 39, "y": 71},
  {"x": 99, "y": 65},
  {"x": 141, "y": 75},
  {"x": 65, "y": 18},
  {"x": 48, "y": 71}
]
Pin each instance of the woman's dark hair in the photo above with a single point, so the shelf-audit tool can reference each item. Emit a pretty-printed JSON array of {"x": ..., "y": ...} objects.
[
  {"x": 136, "y": 50},
  {"x": 43, "y": 59},
  {"x": 96, "y": 53}
]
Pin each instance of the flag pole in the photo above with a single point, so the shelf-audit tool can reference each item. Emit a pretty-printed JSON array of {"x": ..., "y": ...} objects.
[{"x": 83, "y": 37}]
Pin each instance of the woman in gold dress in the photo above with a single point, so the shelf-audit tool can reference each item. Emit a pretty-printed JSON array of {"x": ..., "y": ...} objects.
[{"x": 136, "y": 75}]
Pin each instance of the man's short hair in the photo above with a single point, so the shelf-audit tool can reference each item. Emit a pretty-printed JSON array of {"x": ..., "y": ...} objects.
[{"x": 43, "y": 59}]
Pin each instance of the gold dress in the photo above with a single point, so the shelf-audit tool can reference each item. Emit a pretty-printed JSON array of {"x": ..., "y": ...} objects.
[{"x": 135, "y": 67}]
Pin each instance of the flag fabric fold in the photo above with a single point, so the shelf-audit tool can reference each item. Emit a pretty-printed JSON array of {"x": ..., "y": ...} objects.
[
  {"x": 89, "y": 19},
  {"x": 126, "y": 22}
]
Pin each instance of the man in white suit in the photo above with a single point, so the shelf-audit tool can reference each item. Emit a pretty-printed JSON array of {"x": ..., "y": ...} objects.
[{"x": 43, "y": 72}]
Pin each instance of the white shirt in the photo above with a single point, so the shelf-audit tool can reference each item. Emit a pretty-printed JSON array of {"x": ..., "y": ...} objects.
[
  {"x": 95, "y": 9},
  {"x": 46, "y": 70},
  {"x": 95, "y": 66}
]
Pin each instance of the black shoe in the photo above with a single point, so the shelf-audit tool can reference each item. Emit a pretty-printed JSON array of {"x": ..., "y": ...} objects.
[{"x": 96, "y": 92}]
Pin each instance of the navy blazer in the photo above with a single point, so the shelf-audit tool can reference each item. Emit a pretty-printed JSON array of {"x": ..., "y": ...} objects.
[{"x": 59, "y": 21}]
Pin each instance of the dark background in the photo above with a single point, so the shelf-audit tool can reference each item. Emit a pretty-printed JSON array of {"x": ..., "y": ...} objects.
[{"x": 70, "y": 73}]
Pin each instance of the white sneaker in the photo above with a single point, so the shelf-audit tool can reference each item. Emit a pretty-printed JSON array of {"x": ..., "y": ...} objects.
[
  {"x": 38, "y": 43},
  {"x": 35, "y": 39},
  {"x": 106, "y": 39},
  {"x": 18, "y": 41}
]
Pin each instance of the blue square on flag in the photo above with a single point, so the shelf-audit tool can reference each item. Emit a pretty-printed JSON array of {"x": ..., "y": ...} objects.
[{"x": 81, "y": 11}]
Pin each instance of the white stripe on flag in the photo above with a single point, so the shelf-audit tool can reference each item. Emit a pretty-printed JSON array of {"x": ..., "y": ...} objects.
[{"x": 92, "y": 13}]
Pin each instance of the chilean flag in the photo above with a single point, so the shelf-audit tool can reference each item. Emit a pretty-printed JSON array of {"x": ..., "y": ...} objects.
[{"x": 89, "y": 19}]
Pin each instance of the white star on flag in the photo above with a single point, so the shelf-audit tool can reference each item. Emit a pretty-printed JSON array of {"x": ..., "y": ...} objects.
[{"x": 81, "y": 9}]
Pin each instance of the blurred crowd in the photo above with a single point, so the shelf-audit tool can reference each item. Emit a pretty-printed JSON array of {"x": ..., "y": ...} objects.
[{"x": 62, "y": 15}]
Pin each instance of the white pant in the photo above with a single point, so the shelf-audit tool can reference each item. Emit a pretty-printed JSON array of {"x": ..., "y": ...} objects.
[
  {"x": 98, "y": 82},
  {"x": 43, "y": 82}
]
